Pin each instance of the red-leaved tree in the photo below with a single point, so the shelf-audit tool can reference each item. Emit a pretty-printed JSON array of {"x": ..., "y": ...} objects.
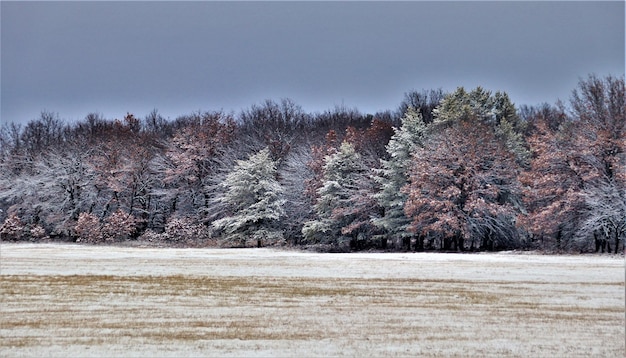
[
  {"x": 191, "y": 159},
  {"x": 552, "y": 186},
  {"x": 462, "y": 189},
  {"x": 120, "y": 225},
  {"x": 575, "y": 188}
]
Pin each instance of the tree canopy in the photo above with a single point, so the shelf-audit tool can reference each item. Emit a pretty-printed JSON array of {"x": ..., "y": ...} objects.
[{"x": 466, "y": 170}]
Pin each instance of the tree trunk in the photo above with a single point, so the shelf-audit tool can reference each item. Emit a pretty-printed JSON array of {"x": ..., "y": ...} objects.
[
  {"x": 487, "y": 243},
  {"x": 406, "y": 243},
  {"x": 419, "y": 243},
  {"x": 174, "y": 204},
  {"x": 447, "y": 243}
]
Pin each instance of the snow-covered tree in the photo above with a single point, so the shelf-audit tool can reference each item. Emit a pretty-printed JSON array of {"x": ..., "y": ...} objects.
[
  {"x": 192, "y": 158},
  {"x": 575, "y": 183},
  {"x": 124, "y": 174},
  {"x": 54, "y": 191},
  {"x": 394, "y": 175},
  {"x": 253, "y": 196},
  {"x": 605, "y": 214},
  {"x": 495, "y": 110},
  {"x": 599, "y": 110},
  {"x": 342, "y": 214},
  {"x": 552, "y": 185},
  {"x": 294, "y": 168},
  {"x": 315, "y": 164},
  {"x": 462, "y": 189}
]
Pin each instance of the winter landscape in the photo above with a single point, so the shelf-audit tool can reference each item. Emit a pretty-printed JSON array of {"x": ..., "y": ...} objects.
[
  {"x": 71, "y": 300},
  {"x": 460, "y": 171},
  {"x": 294, "y": 179}
]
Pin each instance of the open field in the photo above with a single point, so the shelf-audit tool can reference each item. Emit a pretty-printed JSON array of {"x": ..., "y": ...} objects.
[{"x": 69, "y": 300}]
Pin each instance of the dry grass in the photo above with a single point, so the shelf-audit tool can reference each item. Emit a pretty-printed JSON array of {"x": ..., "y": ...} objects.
[{"x": 222, "y": 314}]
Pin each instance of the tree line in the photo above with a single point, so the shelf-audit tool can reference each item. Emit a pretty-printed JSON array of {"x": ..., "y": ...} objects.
[{"x": 460, "y": 171}]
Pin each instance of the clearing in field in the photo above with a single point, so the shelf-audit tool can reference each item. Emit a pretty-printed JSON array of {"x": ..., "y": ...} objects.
[{"x": 69, "y": 300}]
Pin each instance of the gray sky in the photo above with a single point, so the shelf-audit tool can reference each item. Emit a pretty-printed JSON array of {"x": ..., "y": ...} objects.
[{"x": 73, "y": 58}]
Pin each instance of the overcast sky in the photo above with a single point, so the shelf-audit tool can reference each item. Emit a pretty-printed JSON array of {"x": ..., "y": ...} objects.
[{"x": 74, "y": 58}]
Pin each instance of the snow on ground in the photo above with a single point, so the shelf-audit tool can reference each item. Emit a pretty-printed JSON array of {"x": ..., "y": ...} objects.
[
  {"x": 75, "y": 300},
  {"x": 66, "y": 259}
]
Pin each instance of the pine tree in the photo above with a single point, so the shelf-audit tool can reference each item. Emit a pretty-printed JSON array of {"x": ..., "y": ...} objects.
[
  {"x": 339, "y": 208},
  {"x": 394, "y": 175},
  {"x": 495, "y": 110},
  {"x": 254, "y": 198}
]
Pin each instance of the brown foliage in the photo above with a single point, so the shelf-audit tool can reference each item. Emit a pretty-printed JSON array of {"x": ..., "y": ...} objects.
[
  {"x": 195, "y": 146},
  {"x": 553, "y": 184},
  {"x": 316, "y": 164},
  {"x": 119, "y": 226},
  {"x": 574, "y": 158},
  {"x": 461, "y": 186},
  {"x": 371, "y": 140},
  {"x": 88, "y": 228},
  {"x": 12, "y": 228}
]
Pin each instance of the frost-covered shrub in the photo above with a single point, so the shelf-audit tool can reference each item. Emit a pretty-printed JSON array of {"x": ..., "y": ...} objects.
[
  {"x": 178, "y": 229},
  {"x": 119, "y": 226},
  {"x": 88, "y": 228},
  {"x": 184, "y": 229},
  {"x": 12, "y": 228},
  {"x": 37, "y": 232},
  {"x": 152, "y": 236}
]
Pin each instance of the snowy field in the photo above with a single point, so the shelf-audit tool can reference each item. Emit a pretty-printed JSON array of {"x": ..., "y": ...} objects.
[{"x": 81, "y": 301}]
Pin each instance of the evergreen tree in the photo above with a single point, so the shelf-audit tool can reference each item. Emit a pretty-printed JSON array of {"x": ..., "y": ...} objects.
[
  {"x": 394, "y": 175},
  {"x": 254, "y": 197},
  {"x": 495, "y": 110},
  {"x": 339, "y": 209}
]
